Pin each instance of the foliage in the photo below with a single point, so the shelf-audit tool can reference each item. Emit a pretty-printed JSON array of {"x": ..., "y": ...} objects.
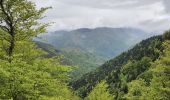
[
  {"x": 135, "y": 68},
  {"x": 82, "y": 62},
  {"x": 100, "y": 92},
  {"x": 137, "y": 90},
  {"x": 138, "y": 57},
  {"x": 142, "y": 73},
  {"x": 24, "y": 73},
  {"x": 159, "y": 86},
  {"x": 166, "y": 35}
]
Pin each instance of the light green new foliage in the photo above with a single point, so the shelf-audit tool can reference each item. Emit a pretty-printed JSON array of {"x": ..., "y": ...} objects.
[
  {"x": 24, "y": 72},
  {"x": 137, "y": 90},
  {"x": 159, "y": 87},
  {"x": 42, "y": 78},
  {"x": 100, "y": 92},
  {"x": 160, "y": 84}
]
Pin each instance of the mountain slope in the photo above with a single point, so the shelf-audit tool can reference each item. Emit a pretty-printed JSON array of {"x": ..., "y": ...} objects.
[
  {"x": 82, "y": 62},
  {"x": 111, "y": 70},
  {"x": 104, "y": 42},
  {"x": 89, "y": 48}
]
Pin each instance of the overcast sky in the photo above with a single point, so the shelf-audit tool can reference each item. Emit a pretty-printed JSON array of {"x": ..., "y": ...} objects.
[{"x": 149, "y": 15}]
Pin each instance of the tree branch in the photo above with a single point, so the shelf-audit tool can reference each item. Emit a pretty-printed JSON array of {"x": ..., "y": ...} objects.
[
  {"x": 4, "y": 28},
  {"x": 8, "y": 20}
]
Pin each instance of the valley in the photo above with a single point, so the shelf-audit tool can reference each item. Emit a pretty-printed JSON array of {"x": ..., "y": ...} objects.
[{"x": 86, "y": 49}]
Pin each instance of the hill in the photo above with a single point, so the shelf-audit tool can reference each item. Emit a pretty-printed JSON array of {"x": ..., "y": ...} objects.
[
  {"x": 89, "y": 48},
  {"x": 81, "y": 62},
  {"x": 127, "y": 66},
  {"x": 104, "y": 42}
]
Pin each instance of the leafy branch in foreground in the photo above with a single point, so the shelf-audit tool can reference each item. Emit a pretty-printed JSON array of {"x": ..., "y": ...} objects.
[{"x": 24, "y": 73}]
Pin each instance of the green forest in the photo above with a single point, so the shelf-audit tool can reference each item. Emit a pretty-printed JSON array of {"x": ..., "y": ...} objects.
[{"x": 29, "y": 72}]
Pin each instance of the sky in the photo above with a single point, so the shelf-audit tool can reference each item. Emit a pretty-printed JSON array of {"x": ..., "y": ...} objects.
[{"x": 148, "y": 15}]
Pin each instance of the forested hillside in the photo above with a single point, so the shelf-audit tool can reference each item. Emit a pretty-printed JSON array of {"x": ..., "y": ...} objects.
[
  {"x": 102, "y": 41},
  {"x": 81, "y": 62},
  {"x": 86, "y": 49},
  {"x": 34, "y": 70},
  {"x": 136, "y": 65}
]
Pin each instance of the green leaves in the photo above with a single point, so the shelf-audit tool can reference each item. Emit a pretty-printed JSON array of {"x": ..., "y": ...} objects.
[
  {"x": 128, "y": 66},
  {"x": 135, "y": 68},
  {"x": 159, "y": 86},
  {"x": 100, "y": 92},
  {"x": 166, "y": 35},
  {"x": 30, "y": 76},
  {"x": 24, "y": 72}
]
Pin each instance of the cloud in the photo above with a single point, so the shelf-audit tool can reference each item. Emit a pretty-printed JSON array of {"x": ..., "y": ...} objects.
[
  {"x": 167, "y": 5},
  {"x": 150, "y": 15}
]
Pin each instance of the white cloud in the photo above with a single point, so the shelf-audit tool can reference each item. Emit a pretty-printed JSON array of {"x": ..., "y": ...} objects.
[{"x": 150, "y": 15}]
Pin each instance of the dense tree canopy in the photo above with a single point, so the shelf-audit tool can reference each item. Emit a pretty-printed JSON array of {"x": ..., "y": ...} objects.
[
  {"x": 142, "y": 73},
  {"x": 124, "y": 68},
  {"x": 159, "y": 86},
  {"x": 24, "y": 73},
  {"x": 100, "y": 92}
]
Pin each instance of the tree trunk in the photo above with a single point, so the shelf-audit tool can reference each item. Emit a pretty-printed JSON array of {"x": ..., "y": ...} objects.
[
  {"x": 10, "y": 28},
  {"x": 14, "y": 97},
  {"x": 12, "y": 44},
  {"x": 11, "y": 47}
]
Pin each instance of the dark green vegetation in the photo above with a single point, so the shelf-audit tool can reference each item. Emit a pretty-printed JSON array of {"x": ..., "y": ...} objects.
[
  {"x": 29, "y": 73},
  {"x": 131, "y": 72}
]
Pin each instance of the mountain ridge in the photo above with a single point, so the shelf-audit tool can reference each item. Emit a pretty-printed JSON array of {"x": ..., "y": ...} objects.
[
  {"x": 91, "y": 47},
  {"x": 100, "y": 41},
  {"x": 112, "y": 67}
]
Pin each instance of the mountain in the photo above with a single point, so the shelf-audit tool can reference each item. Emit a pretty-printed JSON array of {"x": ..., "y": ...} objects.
[
  {"x": 105, "y": 42},
  {"x": 89, "y": 48},
  {"x": 127, "y": 66},
  {"x": 51, "y": 50},
  {"x": 82, "y": 62},
  {"x": 131, "y": 75}
]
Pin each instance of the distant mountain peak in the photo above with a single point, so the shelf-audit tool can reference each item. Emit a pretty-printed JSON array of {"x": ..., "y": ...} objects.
[
  {"x": 104, "y": 41},
  {"x": 83, "y": 30}
]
